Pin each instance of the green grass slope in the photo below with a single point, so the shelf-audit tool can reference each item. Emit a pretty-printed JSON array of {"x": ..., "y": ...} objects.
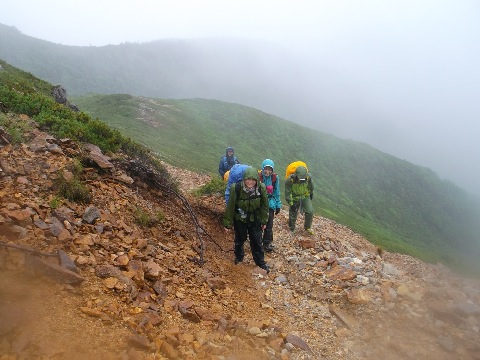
[
  {"x": 393, "y": 203},
  {"x": 22, "y": 93}
]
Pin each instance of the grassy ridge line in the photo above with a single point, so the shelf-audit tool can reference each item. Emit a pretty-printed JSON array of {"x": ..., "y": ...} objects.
[
  {"x": 431, "y": 223},
  {"x": 393, "y": 203},
  {"x": 388, "y": 200},
  {"x": 21, "y": 93}
]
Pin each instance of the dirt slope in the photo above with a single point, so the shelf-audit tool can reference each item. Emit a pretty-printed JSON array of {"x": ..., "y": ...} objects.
[{"x": 140, "y": 292}]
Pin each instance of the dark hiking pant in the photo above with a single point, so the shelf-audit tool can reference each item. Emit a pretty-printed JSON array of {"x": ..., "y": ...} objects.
[
  {"x": 304, "y": 205},
  {"x": 268, "y": 232},
  {"x": 254, "y": 232}
]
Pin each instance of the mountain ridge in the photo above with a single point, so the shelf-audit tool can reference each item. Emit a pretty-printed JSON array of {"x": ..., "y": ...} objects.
[
  {"x": 102, "y": 254},
  {"x": 259, "y": 75},
  {"x": 361, "y": 207},
  {"x": 356, "y": 184}
]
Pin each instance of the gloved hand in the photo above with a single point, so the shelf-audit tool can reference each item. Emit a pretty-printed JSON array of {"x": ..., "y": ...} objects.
[
  {"x": 277, "y": 210},
  {"x": 293, "y": 208},
  {"x": 311, "y": 196},
  {"x": 269, "y": 189}
]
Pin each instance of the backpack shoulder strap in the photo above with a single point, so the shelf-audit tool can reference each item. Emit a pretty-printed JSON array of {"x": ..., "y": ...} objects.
[
  {"x": 274, "y": 180},
  {"x": 238, "y": 187}
]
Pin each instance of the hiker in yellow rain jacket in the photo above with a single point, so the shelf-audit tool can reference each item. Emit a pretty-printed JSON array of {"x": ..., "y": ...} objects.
[{"x": 299, "y": 195}]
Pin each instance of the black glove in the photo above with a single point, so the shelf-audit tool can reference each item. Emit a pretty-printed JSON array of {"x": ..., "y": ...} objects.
[
  {"x": 311, "y": 196},
  {"x": 293, "y": 208},
  {"x": 277, "y": 210}
]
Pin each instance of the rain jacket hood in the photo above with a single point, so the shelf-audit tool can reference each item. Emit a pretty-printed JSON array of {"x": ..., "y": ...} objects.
[
  {"x": 268, "y": 162},
  {"x": 301, "y": 173},
  {"x": 250, "y": 173},
  {"x": 271, "y": 182}
]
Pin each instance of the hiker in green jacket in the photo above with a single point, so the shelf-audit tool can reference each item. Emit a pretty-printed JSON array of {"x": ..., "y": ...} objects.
[
  {"x": 247, "y": 212},
  {"x": 299, "y": 195}
]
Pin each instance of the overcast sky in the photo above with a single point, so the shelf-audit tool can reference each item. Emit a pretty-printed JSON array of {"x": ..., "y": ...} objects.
[{"x": 402, "y": 75}]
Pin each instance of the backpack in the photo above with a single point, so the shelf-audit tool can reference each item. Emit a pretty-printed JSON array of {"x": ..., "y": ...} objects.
[
  {"x": 235, "y": 175},
  {"x": 293, "y": 166},
  {"x": 274, "y": 179}
]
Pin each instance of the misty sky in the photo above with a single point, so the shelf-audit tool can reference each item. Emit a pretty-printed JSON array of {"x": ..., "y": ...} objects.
[{"x": 401, "y": 75}]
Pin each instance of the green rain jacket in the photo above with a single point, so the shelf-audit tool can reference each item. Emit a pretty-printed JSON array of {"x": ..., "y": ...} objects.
[
  {"x": 247, "y": 207},
  {"x": 297, "y": 189}
]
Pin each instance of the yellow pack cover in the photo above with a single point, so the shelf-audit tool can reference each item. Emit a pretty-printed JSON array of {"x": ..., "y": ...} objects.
[
  {"x": 293, "y": 166},
  {"x": 225, "y": 176}
]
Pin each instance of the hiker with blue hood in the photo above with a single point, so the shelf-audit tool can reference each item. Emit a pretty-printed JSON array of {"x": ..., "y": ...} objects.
[
  {"x": 227, "y": 161},
  {"x": 299, "y": 195},
  {"x": 270, "y": 179},
  {"x": 247, "y": 212}
]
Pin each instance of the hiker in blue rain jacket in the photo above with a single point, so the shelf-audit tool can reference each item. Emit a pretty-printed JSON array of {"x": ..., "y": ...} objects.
[
  {"x": 247, "y": 212},
  {"x": 235, "y": 175},
  {"x": 227, "y": 161},
  {"x": 270, "y": 179}
]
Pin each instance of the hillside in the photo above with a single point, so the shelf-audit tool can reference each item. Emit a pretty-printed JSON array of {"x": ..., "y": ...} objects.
[
  {"x": 105, "y": 253},
  {"x": 396, "y": 205},
  {"x": 393, "y": 203},
  {"x": 124, "y": 275},
  {"x": 163, "y": 69}
]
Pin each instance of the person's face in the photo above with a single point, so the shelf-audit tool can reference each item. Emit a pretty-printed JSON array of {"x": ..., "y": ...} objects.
[
  {"x": 267, "y": 171},
  {"x": 230, "y": 152},
  {"x": 250, "y": 183}
]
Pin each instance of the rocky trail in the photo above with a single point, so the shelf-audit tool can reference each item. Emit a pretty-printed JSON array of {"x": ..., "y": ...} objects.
[{"x": 125, "y": 276}]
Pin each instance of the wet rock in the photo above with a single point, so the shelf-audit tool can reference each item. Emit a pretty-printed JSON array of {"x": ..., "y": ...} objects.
[
  {"x": 91, "y": 214},
  {"x": 169, "y": 351},
  {"x": 139, "y": 341},
  {"x": 66, "y": 261},
  {"x": 307, "y": 243},
  {"x": 54, "y": 271},
  {"x": 59, "y": 94},
  {"x": 297, "y": 342},
  {"x": 340, "y": 273},
  {"x": 216, "y": 283},
  {"x": 346, "y": 318},
  {"x": 152, "y": 270},
  {"x": 359, "y": 296}
]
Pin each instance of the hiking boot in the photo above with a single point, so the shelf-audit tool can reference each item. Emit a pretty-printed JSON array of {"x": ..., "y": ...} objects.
[
  {"x": 265, "y": 267},
  {"x": 268, "y": 248},
  {"x": 237, "y": 260},
  {"x": 310, "y": 231}
]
